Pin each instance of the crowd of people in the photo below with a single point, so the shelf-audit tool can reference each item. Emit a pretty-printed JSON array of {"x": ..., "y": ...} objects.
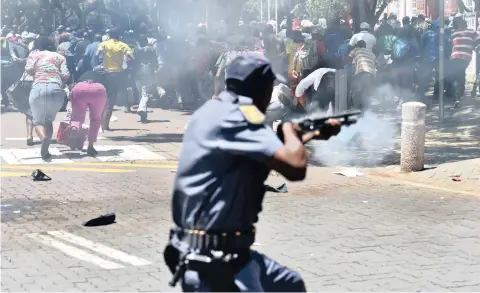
[{"x": 93, "y": 68}]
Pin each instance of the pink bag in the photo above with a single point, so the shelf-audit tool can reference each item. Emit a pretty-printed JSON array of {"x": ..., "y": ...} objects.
[{"x": 64, "y": 136}]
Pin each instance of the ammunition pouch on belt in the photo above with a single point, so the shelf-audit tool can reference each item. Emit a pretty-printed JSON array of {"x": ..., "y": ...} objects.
[
  {"x": 216, "y": 257},
  {"x": 203, "y": 241}
]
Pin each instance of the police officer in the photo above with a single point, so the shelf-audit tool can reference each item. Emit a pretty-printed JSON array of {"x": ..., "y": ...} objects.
[{"x": 227, "y": 155}]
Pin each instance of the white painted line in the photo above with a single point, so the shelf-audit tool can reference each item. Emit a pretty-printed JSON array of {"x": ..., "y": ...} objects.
[
  {"x": 20, "y": 139},
  {"x": 37, "y": 139},
  {"x": 100, "y": 248},
  {"x": 9, "y": 157},
  {"x": 75, "y": 252},
  {"x": 146, "y": 153},
  {"x": 122, "y": 153},
  {"x": 31, "y": 156}
]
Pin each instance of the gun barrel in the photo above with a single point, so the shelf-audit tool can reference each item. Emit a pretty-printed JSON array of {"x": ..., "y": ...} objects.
[{"x": 346, "y": 118}]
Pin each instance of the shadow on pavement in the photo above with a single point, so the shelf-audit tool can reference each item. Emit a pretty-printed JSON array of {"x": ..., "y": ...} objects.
[
  {"x": 152, "y": 138},
  {"x": 157, "y": 121},
  {"x": 83, "y": 154},
  {"x": 446, "y": 154},
  {"x": 124, "y": 129}
]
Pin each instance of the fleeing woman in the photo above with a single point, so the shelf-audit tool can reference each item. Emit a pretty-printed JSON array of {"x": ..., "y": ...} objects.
[
  {"x": 49, "y": 70},
  {"x": 89, "y": 93}
]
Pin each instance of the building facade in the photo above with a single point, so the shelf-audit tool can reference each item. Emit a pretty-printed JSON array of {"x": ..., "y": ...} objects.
[{"x": 427, "y": 7}]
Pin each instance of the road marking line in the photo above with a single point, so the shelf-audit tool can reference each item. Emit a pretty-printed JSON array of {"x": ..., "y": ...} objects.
[
  {"x": 133, "y": 165},
  {"x": 5, "y": 174},
  {"x": 122, "y": 153},
  {"x": 100, "y": 248},
  {"x": 55, "y": 168},
  {"x": 76, "y": 252},
  {"x": 32, "y": 156},
  {"x": 35, "y": 139}
]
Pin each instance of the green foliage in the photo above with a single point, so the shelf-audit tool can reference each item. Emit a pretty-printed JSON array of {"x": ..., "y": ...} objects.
[{"x": 322, "y": 8}]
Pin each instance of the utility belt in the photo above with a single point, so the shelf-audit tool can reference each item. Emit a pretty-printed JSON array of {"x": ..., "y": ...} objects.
[
  {"x": 206, "y": 241},
  {"x": 217, "y": 257}
]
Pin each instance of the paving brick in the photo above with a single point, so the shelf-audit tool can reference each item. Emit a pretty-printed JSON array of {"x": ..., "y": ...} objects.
[{"x": 398, "y": 240}]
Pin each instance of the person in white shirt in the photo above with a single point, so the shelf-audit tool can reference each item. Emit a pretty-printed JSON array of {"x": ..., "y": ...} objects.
[
  {"x": 277, "y": 109},
  {"x": 364, "y": 35}
]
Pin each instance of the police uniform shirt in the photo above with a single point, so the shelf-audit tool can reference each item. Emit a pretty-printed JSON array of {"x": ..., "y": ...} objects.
[{"x": 221, "y": 173}]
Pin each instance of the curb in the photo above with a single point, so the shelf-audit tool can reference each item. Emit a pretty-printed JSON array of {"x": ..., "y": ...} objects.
[{"x": 392, "y": 177}]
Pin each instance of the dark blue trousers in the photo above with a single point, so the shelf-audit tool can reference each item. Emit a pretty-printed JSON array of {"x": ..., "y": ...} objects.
[{"x": 261, "y": 274}]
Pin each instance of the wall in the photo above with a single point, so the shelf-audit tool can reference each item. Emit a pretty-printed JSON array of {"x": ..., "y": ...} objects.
[{"x": 428, "y": 7}]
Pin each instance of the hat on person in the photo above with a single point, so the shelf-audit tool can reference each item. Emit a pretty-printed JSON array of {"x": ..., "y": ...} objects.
[
  {"x": 364, "y": 26},
  {"x": 249, "y": 65},
  {"x": 9, "y": 35}
]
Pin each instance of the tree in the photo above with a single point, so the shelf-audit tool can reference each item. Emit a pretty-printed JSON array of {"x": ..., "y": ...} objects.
[
  {"x": 316, "y": 9},
  {"x": 44, "y": 15},
  {"x": 367, "y": 11}
]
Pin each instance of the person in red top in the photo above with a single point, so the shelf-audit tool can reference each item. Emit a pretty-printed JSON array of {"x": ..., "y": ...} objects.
[{"x": 464, "y": 41}]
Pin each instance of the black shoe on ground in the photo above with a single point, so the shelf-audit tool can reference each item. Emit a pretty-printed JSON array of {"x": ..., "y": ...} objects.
[
  {"x": 92, "y": 152},
  {"x": 44, "y": 149}
]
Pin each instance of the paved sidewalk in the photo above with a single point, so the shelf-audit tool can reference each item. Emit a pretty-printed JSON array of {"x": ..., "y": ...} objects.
[{"x": 456, "y": 176}]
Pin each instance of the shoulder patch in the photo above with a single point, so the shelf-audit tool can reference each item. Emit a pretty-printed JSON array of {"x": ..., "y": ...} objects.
[{"x": 252, "y": 114}]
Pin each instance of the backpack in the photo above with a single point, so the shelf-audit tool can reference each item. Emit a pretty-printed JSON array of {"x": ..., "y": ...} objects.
[
  {"x": 401, "y": 48},
  {"x": 333, "y": 43},
  {"x": 73, "y": 45},
  {"x": 343, "y": 49},
  {"x": 386, "y": 42},
  {"x": 306, "y": 55}
]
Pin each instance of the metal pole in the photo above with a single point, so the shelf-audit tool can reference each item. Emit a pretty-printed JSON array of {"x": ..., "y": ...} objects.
[
  {"x": 268, "y": 11},
  {"x": 441, "y": 61},
  {"x": 261, "y": 11},
  {"x": 276, "y": 16},
  {"x": 206, "y": 14}
]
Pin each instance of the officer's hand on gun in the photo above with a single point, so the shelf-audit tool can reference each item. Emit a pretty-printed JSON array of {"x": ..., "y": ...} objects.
[
  {"x": 324, "y": 134},
  {"x": 317, "y": 128}
]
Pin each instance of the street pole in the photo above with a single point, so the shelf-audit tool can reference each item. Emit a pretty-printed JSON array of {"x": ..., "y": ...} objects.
[
  {"x": 261, "y": 11},
  {"x": 206, "y": 15},
  {"x": 441, "y": 61},
  {"x": 268, "y": 12},
  {"x": 276, "y": 16}
]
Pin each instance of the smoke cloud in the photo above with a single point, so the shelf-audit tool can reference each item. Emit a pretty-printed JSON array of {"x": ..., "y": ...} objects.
[{"x": 365, "y": 144}]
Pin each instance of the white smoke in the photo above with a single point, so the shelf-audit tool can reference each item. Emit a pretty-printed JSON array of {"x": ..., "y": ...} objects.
[{"x": 365, "y": 144}]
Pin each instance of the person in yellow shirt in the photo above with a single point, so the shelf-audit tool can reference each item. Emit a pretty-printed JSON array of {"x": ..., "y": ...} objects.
[
  {"x": 294, "y": 70},
  {"x": 114, "y": 53}
]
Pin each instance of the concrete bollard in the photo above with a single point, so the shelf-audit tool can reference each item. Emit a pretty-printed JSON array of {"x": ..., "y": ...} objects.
[
  {"x": 413, "y": 137},
  {"x": 341, "y": 91}
]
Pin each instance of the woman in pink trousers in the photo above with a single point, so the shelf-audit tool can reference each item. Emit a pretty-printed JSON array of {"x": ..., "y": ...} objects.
[{"x": 89, "y": 93}]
